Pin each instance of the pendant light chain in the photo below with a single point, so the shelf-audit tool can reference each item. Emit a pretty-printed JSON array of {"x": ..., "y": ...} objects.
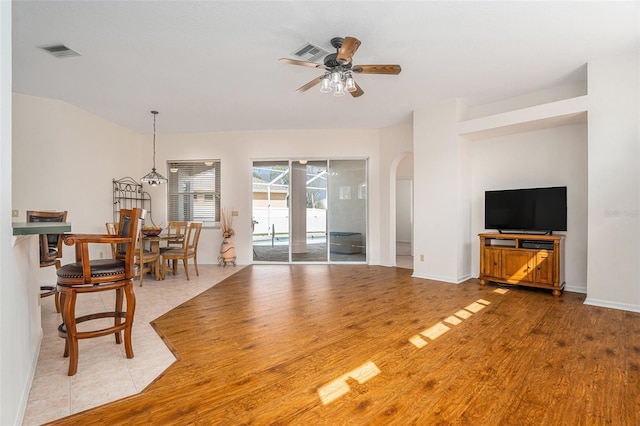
[
  {"x": 155, "y": 114},
  {"x": 154, "y": 178}
]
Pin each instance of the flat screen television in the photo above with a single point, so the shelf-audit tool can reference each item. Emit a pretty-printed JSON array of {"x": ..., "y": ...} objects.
[{"x": 540, "y": 210}]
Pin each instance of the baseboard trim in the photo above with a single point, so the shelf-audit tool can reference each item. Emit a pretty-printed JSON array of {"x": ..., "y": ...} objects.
[
  {"x": 450, "y": 280},
  {"x": 612, "y": 305},
  {"x": 24, "y": 398},
  {"x": 575, "y": 289}
]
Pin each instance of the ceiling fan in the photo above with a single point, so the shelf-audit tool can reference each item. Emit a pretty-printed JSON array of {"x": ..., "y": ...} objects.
[{"x": 339, "y": 69}]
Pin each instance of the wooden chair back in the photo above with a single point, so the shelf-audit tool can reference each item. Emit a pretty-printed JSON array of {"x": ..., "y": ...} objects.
[
  {"x": 192, "y": 237},
  {"x": 112, "y": 229},
  {"x": 125, "y": 248},
  {"x": 147, "y": 260},
  {"x": 176, "y": 229},
  {"x": 50, "y": 244}
]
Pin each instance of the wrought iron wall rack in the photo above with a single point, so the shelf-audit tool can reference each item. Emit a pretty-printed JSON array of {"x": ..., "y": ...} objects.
[{"x": 128, "y": 194}]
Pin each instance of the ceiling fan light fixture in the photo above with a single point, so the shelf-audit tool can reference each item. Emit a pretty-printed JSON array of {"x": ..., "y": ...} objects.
[
  {"x": 335, "y": 78},
  {"x": 350, "y": 83},
  {"x": 325, "y": 85},
  {"x": 338, "y": 69}
]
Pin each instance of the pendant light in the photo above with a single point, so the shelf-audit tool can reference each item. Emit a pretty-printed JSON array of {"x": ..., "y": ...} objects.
[{"x": 154, "y": 178}]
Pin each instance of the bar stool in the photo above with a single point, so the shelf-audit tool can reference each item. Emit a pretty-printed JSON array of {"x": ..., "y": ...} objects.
[
  {"x": 50, "y": 248},
  {"x": 91, "y": 276}
]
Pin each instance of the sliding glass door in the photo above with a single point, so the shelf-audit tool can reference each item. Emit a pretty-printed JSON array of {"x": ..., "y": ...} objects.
[
  {"x": 310, "y": 211},
  {"x": 347, "y": 210},
  {"x": 271, "y": 211}
]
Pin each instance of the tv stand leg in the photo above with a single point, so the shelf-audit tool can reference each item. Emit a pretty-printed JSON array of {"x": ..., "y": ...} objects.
[
  {"x": 556, "y": 292},
  {"x": 482, "y": 283}
]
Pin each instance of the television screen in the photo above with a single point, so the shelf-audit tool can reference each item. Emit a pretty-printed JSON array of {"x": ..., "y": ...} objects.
[{"x": 536, "y": 209}]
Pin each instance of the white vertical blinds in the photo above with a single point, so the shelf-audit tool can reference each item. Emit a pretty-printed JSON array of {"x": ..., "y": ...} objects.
[{"x": 193, "y": 191}]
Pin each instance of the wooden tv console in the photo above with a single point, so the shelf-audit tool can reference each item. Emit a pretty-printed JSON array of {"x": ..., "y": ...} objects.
[{"x": 523, "y": 259}]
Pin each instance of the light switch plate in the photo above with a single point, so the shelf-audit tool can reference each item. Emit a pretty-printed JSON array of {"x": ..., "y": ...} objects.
[{"x": 15, "y": 213}]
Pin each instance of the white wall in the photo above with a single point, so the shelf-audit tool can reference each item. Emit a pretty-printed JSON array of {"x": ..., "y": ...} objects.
[
  {"x": 65, "y": 158},
  {"x": 614, "y": 183},
  {"x": 404, "y": 212},
  {"x": 404, "y": 199},
  {"x": 550, "y": 157},
  {"x": 14, "y": 379},
  {"x": 20, "y": 329},
  {"x": 441, "y": 228}
]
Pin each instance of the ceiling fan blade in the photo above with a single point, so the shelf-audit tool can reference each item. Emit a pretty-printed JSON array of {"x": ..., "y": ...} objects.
[
  {"x": 302, "y": 63},
  {"x": 310, "y": 84},
  {"x": 347, "y": 50},
  {"x": 377, "y": 69},
  {"x": 358, "y": 92}
]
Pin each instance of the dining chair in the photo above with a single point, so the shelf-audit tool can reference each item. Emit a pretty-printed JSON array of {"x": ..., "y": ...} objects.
[
  {"x": 176, "y": 231},
  {"x": 147, "y": 260},
  {"x": 50, "y": 248},
  {"x": 189, "y": 250},
  {"x": 87, "y": 276},
  {"x": 112, "y": 229}
]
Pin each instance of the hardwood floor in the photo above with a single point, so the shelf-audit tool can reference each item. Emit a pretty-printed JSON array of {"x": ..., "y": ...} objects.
[{"x": 318, "y": 344}]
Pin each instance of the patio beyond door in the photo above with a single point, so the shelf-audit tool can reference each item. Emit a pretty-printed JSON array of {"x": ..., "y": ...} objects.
[{"x": 309, "y": 211}]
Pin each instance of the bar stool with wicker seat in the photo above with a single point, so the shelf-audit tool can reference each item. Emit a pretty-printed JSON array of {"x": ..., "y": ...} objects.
[{"x": 90, "y": 276}]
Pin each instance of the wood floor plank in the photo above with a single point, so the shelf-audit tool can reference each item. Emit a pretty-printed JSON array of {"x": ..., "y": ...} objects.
[{"x": 265, "y": 346}]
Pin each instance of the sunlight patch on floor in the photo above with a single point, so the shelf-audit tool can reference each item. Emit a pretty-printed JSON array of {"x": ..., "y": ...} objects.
[
  {"x": 418, "y": 341},
  {"x": 435, "y": 331},
  {"x": 339, "y": 387},
  {"x": 453, "y": 320},
  {"x": 475, "y": 307},
  {"x": 463, "y": 314}
]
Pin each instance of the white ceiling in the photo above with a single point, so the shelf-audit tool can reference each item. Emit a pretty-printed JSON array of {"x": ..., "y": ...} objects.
[{"x": 213, "y": 65}]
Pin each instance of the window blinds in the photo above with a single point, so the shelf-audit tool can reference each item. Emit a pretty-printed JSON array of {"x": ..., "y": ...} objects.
[{"x": 193, "y": 191}]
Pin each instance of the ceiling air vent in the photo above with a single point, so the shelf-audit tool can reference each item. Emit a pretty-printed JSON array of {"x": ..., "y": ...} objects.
[
  {"x": 310, "y": 52},
  {"x": 60, "y": 51}
]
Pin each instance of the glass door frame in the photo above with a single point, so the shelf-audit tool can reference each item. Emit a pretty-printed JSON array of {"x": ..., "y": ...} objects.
[{"x": 329, "y": 189}]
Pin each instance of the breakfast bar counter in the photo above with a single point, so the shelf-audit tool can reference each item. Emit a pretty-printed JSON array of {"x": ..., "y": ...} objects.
[{"x": 35, "y": 228}]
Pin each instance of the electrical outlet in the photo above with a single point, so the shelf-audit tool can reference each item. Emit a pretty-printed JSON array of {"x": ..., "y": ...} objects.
[
  {"x": 422, "y": 258},
  {"x": 15, "y": 213},
  {"x": 101, "y": 254}
]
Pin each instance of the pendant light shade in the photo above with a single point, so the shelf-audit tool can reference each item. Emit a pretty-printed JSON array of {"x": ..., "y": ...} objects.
[{"x": 154, "y": 178}]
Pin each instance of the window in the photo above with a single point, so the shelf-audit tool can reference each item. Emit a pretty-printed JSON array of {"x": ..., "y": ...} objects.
[{"x": 193, "y": 191}]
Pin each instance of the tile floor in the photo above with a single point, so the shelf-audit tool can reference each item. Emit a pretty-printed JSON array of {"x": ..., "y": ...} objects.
[{"x": 104, "y": 373}]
